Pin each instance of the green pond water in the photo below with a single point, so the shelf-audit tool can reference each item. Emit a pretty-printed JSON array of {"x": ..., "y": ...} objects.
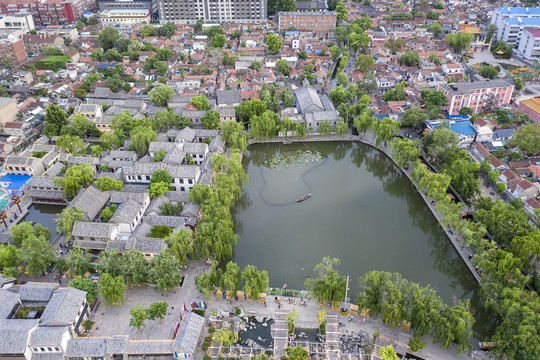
[
  {"x": 363, "y": 210},
  {"x": 44, "y": 214}
]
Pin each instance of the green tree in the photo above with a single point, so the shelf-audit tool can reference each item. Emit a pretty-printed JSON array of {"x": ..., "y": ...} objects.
[
  {"x": 489, "y": 72},
  {"x": 291, "y": 318},
  {"x": 464, "y": 174},
  {"x": 200, "y": 102},
  {"x": 108, "y": 212},
  {"x": 107, "y": 183},
  {"x": 112, "y": 289},
  {"x": 75, "y": 177},
  {"x": 217, "y": 42},
  {"x": 85, "y": 285},
  {"x": 302, "y": 55},
  {"x": 384, "y": 130},
  {"x": 273, "y": 43},
  {"x": 161, "y": 94},
  {"x": 225, "y": 337},
  {"x": 296, "y": 353},
  {"x": 9, "y": 255},
  {"x": 441, "y": 144},
  {"x": 501, "y": 187},
  {"x": 139, "y": 315},
  {"x": 158, "y": 310},
  {"x": 363, "y": 62},
  {"x": 79, "y": 261},
  {"x": 141, "y": 136},
  {"x": 491, "y": 29},
  {"x": 93, "y": 20},
  {"x": 36, "y": 254},
  {"x": 335, "y": 51},
  {"x": 329, "y": 287},
  {"x": 405, "y": 150},
  {"x": 71, "y": 144},
  {"x": 134, "y": 266},
  {"x": 234, "y": 135},
  {"x": 434, "y": 98},
  {"x": 66, "y": 219},
  {"x": 256, "y": 65},
  {"x": 164, "y": 54},
  {"x": 255, "y": 281},
  {"x": 114, "y": 83},
  {"x": 414, "y": 117},
  {"x": 168, "y": 29},
  {"x": 527, "y": 139},
  {"x": 466, "y": 111},
  {"x": 210, "y": 120},
  {"x": 436, "y": 29},
  {"x": 52, "y": 51},
  {"x": 410, "y": 59},
  {"x": 394, "y": 45},
  {"x": 112, "y": 55},
  {"x": 342, "y": 13},
  {"x": 283, "y": 67},
  {"x": 21, "y": 231},
  {"x": 388, "y": 353},
  {"x": 181, "y": 244},
  {"x": 165, "y": 271},
  {"x": 459, "y": 41},
  {"x": 108, "y": 38},
  {"x": 518, "y": 83},
  {"x": 286, "y": 5},
  {"x": 159, "y": 189},
  {"x": 161, "y": 176},
  {"x": 55, "y": 119}
]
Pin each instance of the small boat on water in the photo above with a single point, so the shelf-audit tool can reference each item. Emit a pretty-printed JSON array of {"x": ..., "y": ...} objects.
[{"x": 305, "y": 197}]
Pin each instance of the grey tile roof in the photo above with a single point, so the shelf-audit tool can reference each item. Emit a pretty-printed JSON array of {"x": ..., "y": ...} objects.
[
  {"x": 207, "y": 133},
  {"x": 186, "y": 134},
  {"x": 8, "y": 301},
  {"x": 153, "y": 208},
  {"x": 116, "y": 176},
  {"x": 43, "y": 181},
  {"x": 149, "y": 347},
  {"x": 184, "y": 171},
  {"x": 35, "y": 292},
  {"x": 48, "y": 356},
  {"x": 205, "y": 179},
  {"x": 87, "y": 347},
  {"x": 92, "y": 229},
  {"x": 174, "y": 157},
  {"x": 155, "y": 146},
  {"x": 190, "y": 210},
  {"x": 82, "y": 160},
  {"x": 177, "y": 196},
  {"x": 217, "y": 144},
  {"x": 123, "y": 154},
  {"x": 195, "y": 148},
  {"x": 119, "y": 245},
  {"x": 141, "y": 230},
  {"x": 307, "y": 100},
  {"x": 143, "y": 168},
  {"x": 90, "y": 201},
  {"x": 47, "y": 336},
  {"x": 47, "y": 194},
  {"x": 188, "y": 334},
  {"x": 55, "y": 169},
  {"x": 63, "y": 307},
  {"x": 119, "y": 197},
  {"x": 93, "y": 245},
  {"x": 146, "y": 245},
  {"x": 126, "y": 212},
  {"x": 170, "y": 221},
  {"x": 14, "y": 335},
  {"x": 321, "y": 116},
  {"x": 228, "y": 96},
  {"x": 6, "y": 280}
]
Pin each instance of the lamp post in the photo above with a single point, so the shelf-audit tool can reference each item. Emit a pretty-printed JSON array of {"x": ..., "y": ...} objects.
[{"x": 284, "y": 289}]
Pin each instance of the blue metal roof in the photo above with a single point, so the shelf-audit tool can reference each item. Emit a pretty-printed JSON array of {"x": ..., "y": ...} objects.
[
  {"x": 16, "y": 181},
  {"x": 519, "y": 11},
  {"x": 524, "y": 21},
  {"x": 458, "y": 126}
]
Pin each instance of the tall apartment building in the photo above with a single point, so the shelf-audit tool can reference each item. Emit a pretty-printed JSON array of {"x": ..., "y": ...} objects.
[
  {"x": 513, "y": 29},
  {"x": 212, "y": 11},
  {"x": 529, "y": 45},
  {"x": 47, "y": 12},
  {"x": 313, "y": 21},
  {"x": 13, "y": 49},
  {"x": 511, "y": 22},
  {"x": 481, "y": 96}
]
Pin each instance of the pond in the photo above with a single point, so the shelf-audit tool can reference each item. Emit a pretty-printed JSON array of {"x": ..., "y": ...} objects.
[
  {"x": 362, "y": 210},
  {"x": 44, "y": 214}
]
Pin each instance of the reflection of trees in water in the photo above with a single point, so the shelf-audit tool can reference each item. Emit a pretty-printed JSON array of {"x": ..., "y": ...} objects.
[
  {"x": 243, "y": 204},
  {"x": 445, "y": 258},
  {"x": 340, "y": 149}
]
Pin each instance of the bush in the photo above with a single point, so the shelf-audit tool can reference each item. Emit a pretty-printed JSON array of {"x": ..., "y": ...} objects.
[
  {"x": 198, "y": 312},
  {"x": 204, "y": 347},
  {"x": 160, "y": 231},
  {"x": 238, "y": 311},
  {"x": 211, "y": 330},
  {"x": 416, "y": 344}
]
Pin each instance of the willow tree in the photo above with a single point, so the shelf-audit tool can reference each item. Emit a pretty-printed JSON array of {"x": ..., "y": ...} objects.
[
  {"x": 325, "y": 128},
  {"x": 405, "y": 150},
  {"x": 385, "y": 130},
  {"x": 76, "y": 176},
  {"x": 364, "y": 122},
  {"x": 112, "y": 289},
  {"x": 165, "y": 271},
  {"x": 329, "y": 286},
  {"x": 264, "y": 126},
  {"x": 234, "y": 135},
  {"x": 181, "y": 244},
  {"x": 255, "y": 281},
  {"x": 230, "y": 280}
]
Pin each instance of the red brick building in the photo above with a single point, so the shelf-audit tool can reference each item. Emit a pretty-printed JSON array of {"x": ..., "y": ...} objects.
[
  {"x": 324, "y": 21},
  {"x": 14, "y": 49},
  {"x": 49, "y": 11},
  {"x": 481, "y": 96}
]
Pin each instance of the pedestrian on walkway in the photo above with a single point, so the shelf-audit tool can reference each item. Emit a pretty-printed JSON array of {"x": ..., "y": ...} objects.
[
  {"x": 264, "y": 303},
  {"x": 172, "y": 307}
]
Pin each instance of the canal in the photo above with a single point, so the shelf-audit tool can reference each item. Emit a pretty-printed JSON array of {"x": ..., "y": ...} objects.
[
  {"x": 362, "y": 210},
  {"x": 44, "y": 214}
]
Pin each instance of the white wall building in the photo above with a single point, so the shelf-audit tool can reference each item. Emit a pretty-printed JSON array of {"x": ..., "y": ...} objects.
[{"x": 529, "y": 45}]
